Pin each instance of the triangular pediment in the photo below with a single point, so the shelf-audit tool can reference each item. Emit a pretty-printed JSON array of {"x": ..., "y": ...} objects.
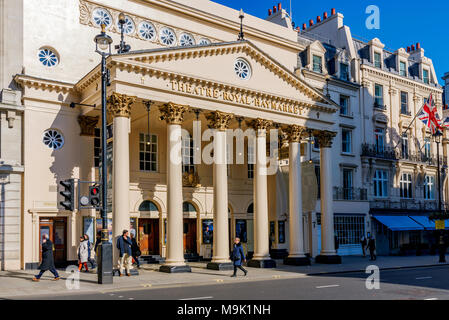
[{"x": 216, "y": 64}]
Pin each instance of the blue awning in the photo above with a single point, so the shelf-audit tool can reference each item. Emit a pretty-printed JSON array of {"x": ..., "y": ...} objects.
[
  {"x": 426, "y": 223},
  {"x": 399, "y": 223}
]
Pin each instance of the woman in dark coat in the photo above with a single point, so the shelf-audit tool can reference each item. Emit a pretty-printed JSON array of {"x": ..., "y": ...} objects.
[
  {"x": 47, "y": 259},
  {"x": 238, "y": 257}
]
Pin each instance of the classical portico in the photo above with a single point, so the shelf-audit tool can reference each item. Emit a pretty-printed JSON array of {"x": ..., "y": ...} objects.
[{"x": 179, "y": 81}]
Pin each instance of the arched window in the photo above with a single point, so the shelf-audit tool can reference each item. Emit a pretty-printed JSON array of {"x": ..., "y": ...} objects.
[
  {"x": 148, "y": 205},
  {"x": 188, "y": 207},
  {"x": 250, "y": 208}
]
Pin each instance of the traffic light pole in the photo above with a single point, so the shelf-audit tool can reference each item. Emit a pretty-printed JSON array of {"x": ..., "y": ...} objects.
[{"x": 105, "y": 249}]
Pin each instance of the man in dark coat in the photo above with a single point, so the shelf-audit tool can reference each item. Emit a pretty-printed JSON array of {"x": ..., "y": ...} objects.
[
  {"x": 135, "y": 249},
  {"x": 372, "y": 248},
  {"x": 47, "y": 259},
  {"x": 124, "y": 246},
  {"x": 238, "y": 257}
]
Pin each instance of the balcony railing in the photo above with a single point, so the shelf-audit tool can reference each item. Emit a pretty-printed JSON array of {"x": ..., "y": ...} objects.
[
  {"x": 420, "y": 157},
  {"x": 379, "y": 106},
  {"x": 405, "y": 112},
  {"x": 374, "y": 151},
  {"x": 387, "y": 153},
  {"x": 406, "y": 204},
  {"x": 350, "y": 194}
]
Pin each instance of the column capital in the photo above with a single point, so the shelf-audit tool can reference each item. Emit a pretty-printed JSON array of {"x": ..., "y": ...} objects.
[
  {"x": 295, "y": 132},
  {"x": 120, "y": 104},
  {"x": 219, "y": 120},
  {"x": 87, "y": 125},
  {"x": 173, "y": 113},
  {"x": 260, "y": 124},
  {"x": 324, "y": 138}
]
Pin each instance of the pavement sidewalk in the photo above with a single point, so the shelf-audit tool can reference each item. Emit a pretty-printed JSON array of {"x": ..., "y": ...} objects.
[{"x": 18, "y": 283}]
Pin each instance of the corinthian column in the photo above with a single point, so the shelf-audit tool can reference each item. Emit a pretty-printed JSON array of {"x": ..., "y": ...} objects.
[
  {"x": 296, "y": 254},
  {"x": 261, "y": 257},
  {"x": 173, "y": 114},
  {"x": 220, "y": 260},
  {"x": 328, "y": 254},
  {"x": 119, "y": 105}
]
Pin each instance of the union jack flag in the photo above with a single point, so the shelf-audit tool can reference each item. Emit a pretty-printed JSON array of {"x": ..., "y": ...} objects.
[{"x": 429, "y": 115}]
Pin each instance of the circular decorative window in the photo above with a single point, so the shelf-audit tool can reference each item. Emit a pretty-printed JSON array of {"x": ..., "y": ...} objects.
[
  {"x": 167, "y": 36},
  {"x": 53, "y": 139},
  {"x": 128, "y": 27},
  {"x": 101, "y": 16},
  {"x": 47, "y": 57},
  {"x": 147, "y": 30},
  {"x": 242, "y": 69},
  {"x": 186, "y": 40},
  {"x": 204, "y": 42}
]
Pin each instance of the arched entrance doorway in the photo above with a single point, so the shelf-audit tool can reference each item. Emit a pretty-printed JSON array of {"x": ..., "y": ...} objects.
[
  {"x": 148, "y": 229},
  {"x": 190, "y": 228}
]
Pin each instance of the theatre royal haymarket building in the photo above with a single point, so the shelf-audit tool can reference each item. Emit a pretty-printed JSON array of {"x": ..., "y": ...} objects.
[{"x": 186, "y": 77}]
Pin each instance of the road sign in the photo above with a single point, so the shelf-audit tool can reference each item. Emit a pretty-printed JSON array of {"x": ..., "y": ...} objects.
[{"x": 440, "y": 225}]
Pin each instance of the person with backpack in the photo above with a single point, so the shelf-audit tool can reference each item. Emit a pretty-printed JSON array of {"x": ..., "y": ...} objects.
[
  {"x": 89, "y": 247},
  {"x": 83, "y": 254},
  {"x": 124, "y": 247},
  {"x": 238, "y": 257}
]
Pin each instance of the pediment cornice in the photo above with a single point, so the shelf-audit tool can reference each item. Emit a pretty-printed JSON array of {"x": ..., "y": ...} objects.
[{"x": 143, "y": 63}]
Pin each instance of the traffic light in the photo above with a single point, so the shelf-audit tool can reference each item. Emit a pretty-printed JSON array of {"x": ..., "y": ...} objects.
[
  {"x": 69, "y": 194},
  {"x": 94, "y": 196}
]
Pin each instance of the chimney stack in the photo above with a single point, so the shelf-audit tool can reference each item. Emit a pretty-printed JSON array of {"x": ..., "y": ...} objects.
[
  {"x": 418, "y": 46},
  {"x": 413, "y": 47},
  {"x": 408, "y": 49},
  {"x": 325, "y": 16},
  {"x": 318, "y": 19},
  {"x": 279, "y": 6},
  {"x": 298, "y": 29},
  {"x": 310, "y": 22},
  {"x": 269, "y": 12},
  {"x": 333, "y": 11},
  {"x": 304, "y": 26},
  {"x": 274, "y": 9}
]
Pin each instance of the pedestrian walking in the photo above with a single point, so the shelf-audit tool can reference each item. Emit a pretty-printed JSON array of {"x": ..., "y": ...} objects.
[
  {"x": 372, "y": 247},
  {"x": 124, "y": 246},
  {"x": 97, "y": 243},
  {"x": 238, "y": 257},
  {"x": 48, "y": 262},
  {"x": 83, "y": 254},
  {"x": 135, "y": 249},
  {"x": 363, "y": 242},
  {"x": 89, "y": 247},
  {"x": 336, "y": 243},
  {"x": 442, "y": 249}
]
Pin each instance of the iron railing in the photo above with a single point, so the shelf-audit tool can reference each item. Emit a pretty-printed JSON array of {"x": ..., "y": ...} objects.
[
  {"x": 350, "y": 194},
  {"x": 387, "y": 153}
]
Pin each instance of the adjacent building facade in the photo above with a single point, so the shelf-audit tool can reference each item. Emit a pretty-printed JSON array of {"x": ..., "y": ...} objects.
[{"x": 392, "y": 155}]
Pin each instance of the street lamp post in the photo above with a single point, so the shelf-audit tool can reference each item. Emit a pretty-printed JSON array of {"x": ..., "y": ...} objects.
[
  {"x": 442, "y": 249},
  {"x": 103, "y": 47}
]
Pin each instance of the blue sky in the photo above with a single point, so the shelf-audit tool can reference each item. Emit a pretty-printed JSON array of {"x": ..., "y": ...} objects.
[{"x": 402, "y": 23}]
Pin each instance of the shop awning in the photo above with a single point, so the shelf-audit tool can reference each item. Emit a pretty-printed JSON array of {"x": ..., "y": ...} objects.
[
  {"x": 426, "y": 223},
  {"x": 399, "y": 223}
]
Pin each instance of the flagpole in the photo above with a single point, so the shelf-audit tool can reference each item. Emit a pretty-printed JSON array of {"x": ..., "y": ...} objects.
[{"x": 408, "y": 128}]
